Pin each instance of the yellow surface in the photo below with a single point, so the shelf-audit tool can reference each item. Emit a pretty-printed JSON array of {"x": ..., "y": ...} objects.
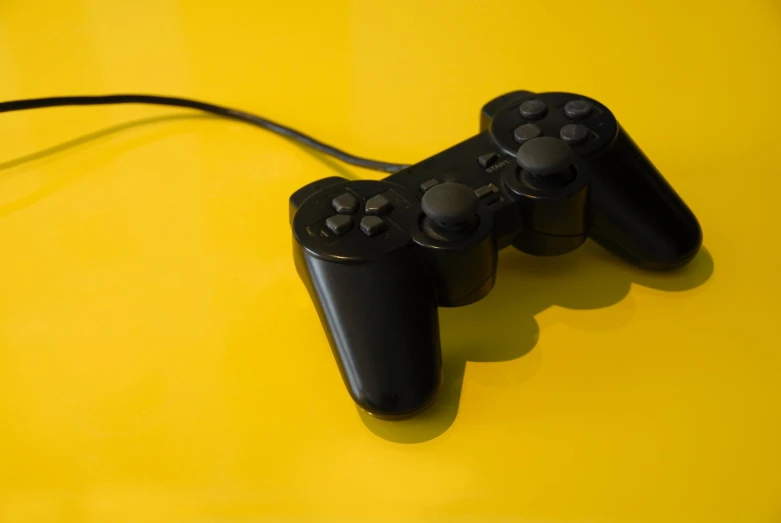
[{"x": 161, "y": 362}]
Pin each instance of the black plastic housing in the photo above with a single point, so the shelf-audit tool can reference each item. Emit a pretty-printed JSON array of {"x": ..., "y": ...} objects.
[{"x": 377, "y": 292}]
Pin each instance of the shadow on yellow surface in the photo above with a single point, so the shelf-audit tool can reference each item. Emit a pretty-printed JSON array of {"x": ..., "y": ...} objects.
[{"x": 588, "y": 278}]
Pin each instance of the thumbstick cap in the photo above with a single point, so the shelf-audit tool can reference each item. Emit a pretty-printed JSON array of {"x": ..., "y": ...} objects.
[
  {"x": 450, "y": 203},
  {"x": 544, "y": 155}
]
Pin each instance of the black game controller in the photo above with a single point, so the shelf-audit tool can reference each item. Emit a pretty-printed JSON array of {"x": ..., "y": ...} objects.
[{"x": 546, "y": 172}]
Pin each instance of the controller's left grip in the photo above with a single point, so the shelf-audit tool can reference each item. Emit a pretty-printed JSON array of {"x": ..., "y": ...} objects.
[{"x": 380, "y": 316}]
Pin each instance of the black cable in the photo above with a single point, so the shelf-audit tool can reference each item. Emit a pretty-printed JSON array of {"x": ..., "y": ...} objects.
[{"x": 234, "y": 114}]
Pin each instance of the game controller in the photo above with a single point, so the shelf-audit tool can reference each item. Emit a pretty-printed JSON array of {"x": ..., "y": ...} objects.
[{"x": 546, "y": 172}]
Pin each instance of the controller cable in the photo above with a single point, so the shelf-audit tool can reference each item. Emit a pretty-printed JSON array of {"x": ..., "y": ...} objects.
[{"x": 225, "y": 112}]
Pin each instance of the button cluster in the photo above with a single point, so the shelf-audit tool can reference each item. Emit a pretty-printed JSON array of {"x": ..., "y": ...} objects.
[
  {"x": 572, "y": 133},
  {"x": 347, "y": 204}
]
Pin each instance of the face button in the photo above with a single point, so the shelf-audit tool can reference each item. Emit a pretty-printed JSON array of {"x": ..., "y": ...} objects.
[
  {"x": 574, "y": 134},
  {"x": 577, "y": 109},
  {"x": 372, "y": 225},
  {"x": 345, "y": 204},
  {"x": 339, "y": 224},
  {"x": 486, "y": 160},
  {"x": 533, "y": 109},
  {"x": 378, "y": 204},
  {"x": 526, "y": 132},
  {"x": 425, "y": 186}
]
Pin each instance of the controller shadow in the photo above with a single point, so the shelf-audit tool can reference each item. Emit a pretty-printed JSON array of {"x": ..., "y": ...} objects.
[{"x": 501, "y": 327}]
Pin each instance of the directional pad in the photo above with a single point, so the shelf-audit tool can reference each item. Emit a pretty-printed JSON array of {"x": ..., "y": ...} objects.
[
  {"x": 345, "y": 204},
  {"x": 340, "y": 224},
  {"x": 379, "y": 204}
]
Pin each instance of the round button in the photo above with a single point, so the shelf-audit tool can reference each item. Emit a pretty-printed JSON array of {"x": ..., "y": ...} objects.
[
  {"x": 526, "y": 132},
  {"x": 533, "y": 109},
  {"x": 574, "y": 134},
  {"x": 545, "y": 155},
  {"x": 450, "y": 204},
  {"x": 577, "y": 109}
]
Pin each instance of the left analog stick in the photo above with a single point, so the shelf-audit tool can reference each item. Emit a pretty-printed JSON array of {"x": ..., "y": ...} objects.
[
  {"x": 450, "y": 205},
  {"x": 451, "y": 211}
]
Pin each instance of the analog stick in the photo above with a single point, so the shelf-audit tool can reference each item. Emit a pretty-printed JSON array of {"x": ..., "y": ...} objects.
[
  {"x": 546, "y": 163},
  {"x": 452, "y": 207}
]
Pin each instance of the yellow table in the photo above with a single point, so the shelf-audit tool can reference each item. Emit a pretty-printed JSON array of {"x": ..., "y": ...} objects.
[{"x": 160, "y": 361}]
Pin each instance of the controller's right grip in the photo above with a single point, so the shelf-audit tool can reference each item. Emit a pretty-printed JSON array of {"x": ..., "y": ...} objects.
[
  {"x": 380, "y": 316},
  {"x": 636, "y": 213}
]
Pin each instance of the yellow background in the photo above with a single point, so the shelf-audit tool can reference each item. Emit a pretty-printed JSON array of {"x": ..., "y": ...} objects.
[{"x": 160, "y": 361}]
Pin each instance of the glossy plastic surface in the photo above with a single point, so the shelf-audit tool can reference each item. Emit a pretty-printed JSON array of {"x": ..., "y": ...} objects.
[
  {"x": 382, "y": 324},
  {"x": 380, "y": 315},
  {"x": 161, "y": 361},
  {"x": 377, "y": 295},
  {"x": 636, "y": 213}
]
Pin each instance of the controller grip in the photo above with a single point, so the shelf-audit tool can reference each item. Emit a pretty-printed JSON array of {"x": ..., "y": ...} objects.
[
  {"x": 637, "y": 214},
  {"x": 380, "y": 316}
]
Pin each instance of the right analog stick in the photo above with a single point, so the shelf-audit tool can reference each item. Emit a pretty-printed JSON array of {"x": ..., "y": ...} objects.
[{"x": 546, "y": 163}]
